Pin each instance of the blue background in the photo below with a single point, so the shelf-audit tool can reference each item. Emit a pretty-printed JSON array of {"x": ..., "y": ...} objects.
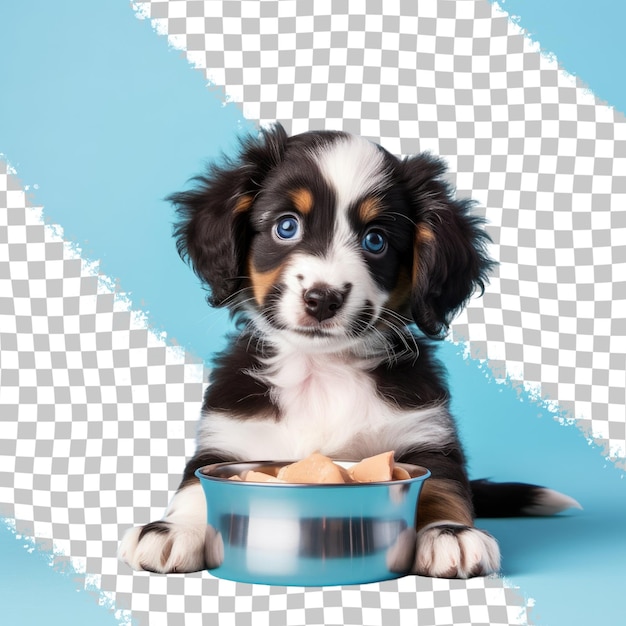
[{"x": 102, "y": 120}]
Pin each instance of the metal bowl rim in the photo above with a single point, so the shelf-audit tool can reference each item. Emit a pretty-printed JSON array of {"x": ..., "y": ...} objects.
[{"x": 202, "y": 474}]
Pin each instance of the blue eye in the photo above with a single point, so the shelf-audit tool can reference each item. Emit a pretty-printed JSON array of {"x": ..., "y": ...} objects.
[
  {"x": 287, "y": 227},
  {"x": 374, "y": 242}
]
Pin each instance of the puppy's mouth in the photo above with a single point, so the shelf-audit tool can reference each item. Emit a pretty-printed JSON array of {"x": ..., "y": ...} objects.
[
  {"x": 308, "y": 326},
  {"x": 320, "y": 313},
  {"x": 315, "y": 331}
]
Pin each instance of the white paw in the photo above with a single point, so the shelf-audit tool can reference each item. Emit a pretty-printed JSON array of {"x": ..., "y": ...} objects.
[
  {"x": 448, "y": 550},
  {"x": 164, "y": 547}
]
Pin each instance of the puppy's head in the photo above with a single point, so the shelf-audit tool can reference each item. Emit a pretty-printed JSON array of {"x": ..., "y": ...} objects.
[{"x": 326, "y": 236}]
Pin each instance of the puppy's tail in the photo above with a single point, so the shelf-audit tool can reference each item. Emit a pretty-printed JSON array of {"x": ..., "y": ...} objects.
[{"x": 517, "y": 500}]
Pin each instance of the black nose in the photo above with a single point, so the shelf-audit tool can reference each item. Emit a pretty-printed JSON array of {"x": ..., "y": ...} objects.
[{"x": 322, "y": 302}]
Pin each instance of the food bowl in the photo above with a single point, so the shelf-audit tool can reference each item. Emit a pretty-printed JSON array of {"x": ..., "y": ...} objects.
[{"x": 308, "y": 534}]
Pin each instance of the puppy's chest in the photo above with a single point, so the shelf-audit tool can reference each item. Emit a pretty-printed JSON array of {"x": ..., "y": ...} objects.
[
  {"x": 323, "y": 404},
  {"x": 326, "y": 399}
]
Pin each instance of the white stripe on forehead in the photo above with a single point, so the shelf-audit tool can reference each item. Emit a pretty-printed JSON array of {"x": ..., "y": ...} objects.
[{"x": 353, "y": 167}]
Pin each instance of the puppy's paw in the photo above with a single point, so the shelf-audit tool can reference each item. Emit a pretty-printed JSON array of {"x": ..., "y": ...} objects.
[
  {"x": 448, "y": 550},
  {"x": 164, "y": 547}
]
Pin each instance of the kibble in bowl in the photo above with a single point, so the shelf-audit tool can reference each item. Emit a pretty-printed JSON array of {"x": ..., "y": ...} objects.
[{"x": 313, "y": 522}]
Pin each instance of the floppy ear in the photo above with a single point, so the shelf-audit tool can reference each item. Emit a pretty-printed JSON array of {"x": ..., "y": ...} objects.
[
  {"x": 450, "y": 260},
  {"x": 213, "y": 231}
]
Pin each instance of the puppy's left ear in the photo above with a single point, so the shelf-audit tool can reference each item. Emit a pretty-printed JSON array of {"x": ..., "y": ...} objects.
[{"x": 450, "y": 260}]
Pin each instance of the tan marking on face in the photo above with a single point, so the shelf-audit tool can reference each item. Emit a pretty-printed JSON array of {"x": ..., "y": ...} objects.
[
  {"x": 443, "y": 499},
  {"x": 423, "y": 236},
  {"x": 262, "y": 282},
  {"x": 401, "y": 292},
  {"x": 369, "y": 209},
  {"x": 303, "y": 200},
  {"x": 243, "y": 204}
]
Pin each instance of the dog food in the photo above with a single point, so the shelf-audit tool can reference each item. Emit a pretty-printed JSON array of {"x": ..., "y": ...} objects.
[{"x": 320, "y": 469}]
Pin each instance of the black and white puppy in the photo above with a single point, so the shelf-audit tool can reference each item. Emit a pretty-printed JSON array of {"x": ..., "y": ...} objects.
[{"x": 328, "y": 248}]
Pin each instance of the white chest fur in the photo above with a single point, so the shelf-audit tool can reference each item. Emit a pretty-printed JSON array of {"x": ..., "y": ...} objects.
[{"x": 327, "y": 404}]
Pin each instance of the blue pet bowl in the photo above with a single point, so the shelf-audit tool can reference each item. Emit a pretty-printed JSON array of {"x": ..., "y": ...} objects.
[{"x": 309, "y": 534}]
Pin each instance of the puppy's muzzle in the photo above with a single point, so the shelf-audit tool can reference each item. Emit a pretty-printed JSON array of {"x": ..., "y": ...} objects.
[{"x": 323, "y": 302}]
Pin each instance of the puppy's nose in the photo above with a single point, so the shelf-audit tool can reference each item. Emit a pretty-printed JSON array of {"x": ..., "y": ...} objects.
[{"x": 322, "y": 302}]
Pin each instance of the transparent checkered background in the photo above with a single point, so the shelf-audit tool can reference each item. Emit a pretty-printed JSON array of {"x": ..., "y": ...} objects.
[{"x": 98, "y": 414}]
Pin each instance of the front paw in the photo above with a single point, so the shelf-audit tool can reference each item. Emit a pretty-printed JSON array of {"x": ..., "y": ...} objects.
[
  {"x": 164, "y": 547},
  {"x": 448, "y": 550}
]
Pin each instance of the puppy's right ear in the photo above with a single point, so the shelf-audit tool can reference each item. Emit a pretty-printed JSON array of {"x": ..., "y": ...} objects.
[{"x": 213, "y": 231}]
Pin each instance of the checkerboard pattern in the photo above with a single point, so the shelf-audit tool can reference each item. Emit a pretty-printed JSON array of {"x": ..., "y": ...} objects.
[
  {"x": 98, "y": 414},
  {"x": 545, "y": 161},
  {"x": 98, "y": 417}
]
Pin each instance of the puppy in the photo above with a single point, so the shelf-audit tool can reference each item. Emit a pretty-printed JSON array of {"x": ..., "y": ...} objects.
[{"x": 342, "y": 264}]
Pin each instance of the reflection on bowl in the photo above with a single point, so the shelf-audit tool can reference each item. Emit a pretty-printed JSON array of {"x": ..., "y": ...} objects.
[{"x": 308, "y": 534}]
